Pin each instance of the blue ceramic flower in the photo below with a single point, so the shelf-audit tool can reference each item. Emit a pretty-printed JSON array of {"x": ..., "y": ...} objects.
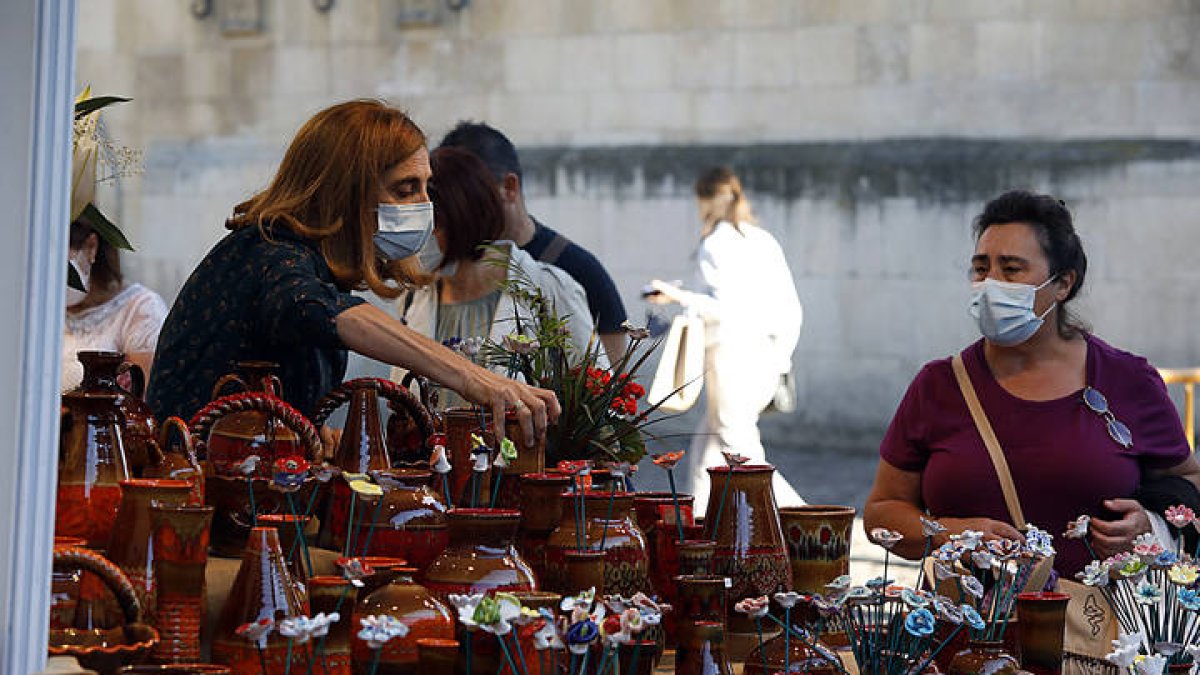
[
  {"x": 920, "y": 623},
  {"x": 1166, "y": 559},
  {"x": 972, "y": 618},
  {"x": 1190, "y": 599}
]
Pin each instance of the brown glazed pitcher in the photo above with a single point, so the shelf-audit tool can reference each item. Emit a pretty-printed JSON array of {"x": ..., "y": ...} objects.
[
  {"x": 91, "y": 466},
  {"x": 101, "y": 369},
  {"x": 262, "y": 589},
  {"x": 173, "y": 456},
  {"x": 481, "y": 557},
  {"x": 750, "y": 547},
  {"x": 180, "y": 556},
  {"x": 131, "y": 547}
]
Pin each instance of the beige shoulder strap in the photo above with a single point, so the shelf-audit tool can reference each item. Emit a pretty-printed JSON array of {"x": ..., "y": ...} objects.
[{"x": 989, "y": 440}]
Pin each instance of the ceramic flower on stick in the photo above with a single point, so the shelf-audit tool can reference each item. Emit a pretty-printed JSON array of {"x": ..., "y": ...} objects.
[
  {"x": 378, "y": 630},
  {"x": 505, "y": 457},
  {"x": 367, "y": 492},
  {"x": 257, "y": 633},
  {"x": 247, "y": 467},
  {"x": 667, "y": 461},
  {"x": 288, "y": 476},
  {"x": 1155, "y": 596},
  {"x": 756, "y": 608},
  {"x": 578, "y": 470},
  {"x": 439, "y": 463}
]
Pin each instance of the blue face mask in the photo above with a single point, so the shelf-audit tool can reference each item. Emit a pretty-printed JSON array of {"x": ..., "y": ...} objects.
[
  {"x": 404, "y": 229},
  {"x": 1004, "y": 310}
]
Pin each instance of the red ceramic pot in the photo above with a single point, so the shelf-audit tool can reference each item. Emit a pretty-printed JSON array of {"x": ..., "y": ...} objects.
[
  {"x": 411, "y": 604},
  {"x": 329, "y": 594},
  {"x": 181, "y": 535},
  {"x": 410, "y": 522},
  {"x": 481, "y": 557},
  {"x": 609, "y": 526},
  {"x": 131, "y": 547}
]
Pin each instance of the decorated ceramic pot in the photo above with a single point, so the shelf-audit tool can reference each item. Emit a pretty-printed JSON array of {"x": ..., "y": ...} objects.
[{"x": 607, "y": 525}]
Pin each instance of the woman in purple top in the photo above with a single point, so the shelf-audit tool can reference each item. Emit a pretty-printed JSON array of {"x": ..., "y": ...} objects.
[{"x": 1031, "y": 371}]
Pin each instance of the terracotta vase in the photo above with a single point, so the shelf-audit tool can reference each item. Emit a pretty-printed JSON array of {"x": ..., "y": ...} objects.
[
  {"x": 411, "y": 521},
  {"x": 291, "y": 530},
  {"x": 983, "y": 658},
  {"x": 413, "y": 605},
  {"x": 530, "y": 460},
  {"x": 180, "y": 555},
  {"x": 698, "y": 598},
  {"x": 262, "y": 589},
  {"x": 695, "y": 558},
  {"x": 437, "y": 656},
  {"x": 480, "y": 557},
  {"x": 656, "y": 518},
  {"x": 173, "y": 457},
  {"x": 131, "y": 547},
  {"x": 703, "y": 652},
  {"x": 1041, "y": 625},
  {"x": 818, "y": 544},
  {"x": 233, "y": 427},
  {"x": 583, "y": 570},
  {"x": 101, "y": 369},
  {"x": 541, "y": 513},
  {"x": 610, "y": 527},
  {"x": 750, "y": 546},
  {"x": 238, "y": 434},
  {"x": 91, "y": 466},
  {"x": 329, "y": 594},
  {"x": 461, "y": 423}
]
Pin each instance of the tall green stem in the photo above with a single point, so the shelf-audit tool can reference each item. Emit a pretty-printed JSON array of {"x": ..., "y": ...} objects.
[
  {"x": 712, "y": 532},
  {"x": 675, "y": 500}
]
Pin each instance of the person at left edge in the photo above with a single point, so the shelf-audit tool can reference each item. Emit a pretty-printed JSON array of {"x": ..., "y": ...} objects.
[{"x": 348, "y": 210}]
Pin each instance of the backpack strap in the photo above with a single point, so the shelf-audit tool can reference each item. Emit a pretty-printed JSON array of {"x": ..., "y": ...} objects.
[{"x": 554, "y": 249}]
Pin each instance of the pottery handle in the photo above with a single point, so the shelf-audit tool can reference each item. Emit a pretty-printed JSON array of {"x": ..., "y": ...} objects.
[
  {"x": 184, "y": 444},
  {"x": 398, "y": 398},
  {"x": 71, "y": 557},
  {"x": 137, "y": 377},
  {"x": 202, "y": 423},
  {"x": 226, "y": 380}
]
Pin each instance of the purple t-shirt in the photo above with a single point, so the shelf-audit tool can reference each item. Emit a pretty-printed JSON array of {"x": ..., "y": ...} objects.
[{"x": 1062, "y": 459}]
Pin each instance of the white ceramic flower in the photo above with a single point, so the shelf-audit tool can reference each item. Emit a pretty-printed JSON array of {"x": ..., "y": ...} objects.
[
  {"x": 634, "y": 332},
  {"x": 1039, "y": 542},
  {"x": 465, "y": 606},
  {"x": 547, "y": 636},
  {"x": 1095, "y": 574},
  {"x": 378, "y": 630},
  {"x": 632, "y": 622},
  {"x": 972, "y": 585},
  {"x": 248, "y": 466},
  {"x": 583, "y": 601},
  {"x": 885, "y": 537},
  {"x": 982, "y": 559},
  {"x": 841, "y": 583},
  {"x": 1078, "y": 528},
  {"x": 787, "y": 600},
  {"x": 1155, "y": 664},
  {"x": 298, "y": 629},
  {"x": 481, "y": 464},
  {"x": 257, "y": 631},
  {"x": 931, "y": 528},
  {"x": 754, "y": 608},
  {"x": 439, "y": 462},
  {"x": 969, "y": 540},
  {"x": 322, "y": 622},
  {"x": 496, "y": 614}
]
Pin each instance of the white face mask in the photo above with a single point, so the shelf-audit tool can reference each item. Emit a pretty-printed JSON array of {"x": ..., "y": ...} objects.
[
  {"x": 1004, "y": 310},
  {"x": 84, "y": 268},
  {"x": 404, "y": 229}
]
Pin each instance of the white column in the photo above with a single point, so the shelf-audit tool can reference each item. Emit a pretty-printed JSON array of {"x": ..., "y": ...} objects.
[{"x": 37, "y": 39}]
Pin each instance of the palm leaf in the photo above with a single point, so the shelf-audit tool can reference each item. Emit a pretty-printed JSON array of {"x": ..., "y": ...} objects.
[
  {"x": 91, "y": 105},
  {"x": 105, "y": 228}
]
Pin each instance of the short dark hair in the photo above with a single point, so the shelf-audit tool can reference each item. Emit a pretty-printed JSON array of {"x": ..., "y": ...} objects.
[
  {"x": 465, "y": 203},
  {"x": 106, "y": 271},
  {"x": 1055, "y": 230},
  {"x": 486, "y": 143}
]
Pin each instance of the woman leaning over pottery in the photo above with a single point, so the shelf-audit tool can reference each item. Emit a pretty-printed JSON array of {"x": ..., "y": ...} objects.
[
  {"x": 1044, "y": 383},
  {"x": 347, "y": 210}
]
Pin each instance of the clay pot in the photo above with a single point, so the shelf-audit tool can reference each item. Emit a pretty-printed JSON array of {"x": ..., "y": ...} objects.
[
  {"x": 698, "y": 598},
  {"x": 176, "y": 460},
  {"x": 460, "y": 424},
  {"x": 437, "y": 656},
  {"x": 330, "y": 594},
  {"x": 583, "y": 570},
  {"x": 414, "y": 606},
  {"x": 131, "y": 547},
  {"x": 100, "y": 372},
  {"x": 236, "y": 434},
  {"x": 703, "y": 652},
  {"x": 1041, "y": 625},
  {"x": 609, "y": 527},
  {"x": 656, "y": 518},
  {"x": 750, "y": 546},
  {"x": 983, "y": 658},
  {"x": 104, "y": 650},
  {"x": 263, "y": 588},
  {"x": 480, "y": 557},
  {"x": 91, "y": 466},
  {"x": 803, "y": 659},
  {"x": 176, "y": 669},
  {"x": 818, "y": 543},
  {"x": 541, "y": 513},
  {"x": 181, "y": 535},
  {"x": 530, "y": 460},
  {"x": 411, "y": 522},
  {"x": 695, "y": 557}
]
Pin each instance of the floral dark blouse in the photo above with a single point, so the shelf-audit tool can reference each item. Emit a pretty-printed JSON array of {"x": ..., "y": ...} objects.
[{"x": 252, "y": 299}]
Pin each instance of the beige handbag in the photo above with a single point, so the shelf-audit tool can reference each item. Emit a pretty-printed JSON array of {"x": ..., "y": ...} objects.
[
  {"x": 1091, "y": 623},
  {"x": 680, "y": 375}
]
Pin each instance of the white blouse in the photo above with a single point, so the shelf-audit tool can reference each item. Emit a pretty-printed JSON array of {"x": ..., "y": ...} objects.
[{"x": 128, "y": 323}]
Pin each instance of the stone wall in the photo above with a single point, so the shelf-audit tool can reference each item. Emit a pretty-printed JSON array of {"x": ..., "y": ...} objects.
[{"x": 868, "y": 131}]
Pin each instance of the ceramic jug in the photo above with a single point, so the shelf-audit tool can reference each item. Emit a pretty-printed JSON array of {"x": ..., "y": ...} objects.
[
  {"x": 91, "y": 466},
  {"x": 101, "y": 373}
]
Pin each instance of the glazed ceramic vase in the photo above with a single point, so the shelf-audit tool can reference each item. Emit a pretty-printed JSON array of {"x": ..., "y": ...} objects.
[
  {"x": 180, "y": 555},
  {"x": 609, "y": 526},
  {"x": 131, "y": 547},
  {"x": 530, "y": 460},
  {"x": 437, "y": 656},
  {"x": 698, "y": 599},
  {"x": 1041, "y": 625},
  {"x": 541, "y": 512},
  {"x": 461, "y": 423},
  {"x": 263, "y": 589},
  {"x": 291, "y": 531},
  {"x": 329, "y": 594},
  {"x": 703, "y": 652},
  {"x": 769, "y": 659},
  {"x": 413, "y": 605},
  {"x": 583, "y": 570},
  {"x": 233, "y": 427},
  {"x": 91, "y": 466},
  {"x": 656, "y": 518},
  {"x": 410, "y": 523},
  {"x": 744, "y": 521},
  {"x": 818, "y": 544},
  {"x": 480, "y": 557},
  {"x": 101, "y": 370},
  {"x": 983, "y": 658}
]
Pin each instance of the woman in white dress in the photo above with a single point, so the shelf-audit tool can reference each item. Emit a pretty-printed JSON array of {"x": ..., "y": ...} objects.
[
  {"x": 111, "y": 315},
  {"x": 752, "y": 315}
]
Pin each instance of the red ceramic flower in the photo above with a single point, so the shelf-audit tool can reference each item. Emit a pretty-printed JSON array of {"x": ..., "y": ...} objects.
[
  {"x": 289, "y": 474},
  {"x": 575, "y": 467},
  {"x": 668, "y": 460},
  {"x": 734, "y": 459}
]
